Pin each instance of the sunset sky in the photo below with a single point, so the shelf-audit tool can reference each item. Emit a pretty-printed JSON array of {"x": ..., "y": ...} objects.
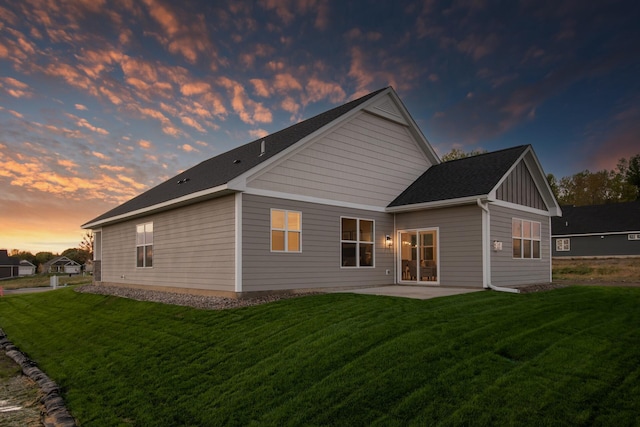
[{"x": 102, "y": 99}]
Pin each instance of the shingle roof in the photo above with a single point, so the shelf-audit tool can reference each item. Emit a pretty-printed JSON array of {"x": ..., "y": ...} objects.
[
  {"x": 5, "y": 259},
  {"x": 221, "y": 169},
  {"x": 610, "y": 218},
  {"x": 471, "y": 176}
]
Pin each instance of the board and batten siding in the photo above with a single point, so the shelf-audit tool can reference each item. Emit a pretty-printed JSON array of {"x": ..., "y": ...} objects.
[
  {"x": 460, "y": 234},
  {"x": 319, "y": 263},
  {"x": 193, "y": 248},
  {"x": 519, "y": 188},
  {"x": 505, "y": 270},
  {"x": 343, "y": 164}
]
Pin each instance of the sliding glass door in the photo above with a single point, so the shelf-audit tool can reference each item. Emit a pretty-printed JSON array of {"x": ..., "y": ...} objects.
[{"x": 418, "y": 256}]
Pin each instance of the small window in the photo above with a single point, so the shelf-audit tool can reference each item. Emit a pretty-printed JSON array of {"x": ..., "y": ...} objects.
[
  {"x": 525, "y": 238},
  {"x": 144, "y": 245},
  {"x": 286, "y": 231},
  {"x": 563, "y": 245},
  {"x": 634, "y": 237},
  {"x": 357, "y": 242}
]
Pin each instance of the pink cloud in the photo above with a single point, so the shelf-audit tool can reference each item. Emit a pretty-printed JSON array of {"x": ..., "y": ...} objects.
[
  {"x": 248, "y": 110},
  {"x": 195, "y": 88},
  {"x": 260, "y": 87},
  {"x": 317, "y": 90},
  {"x": 80, "y": 107},
  {"x": 143, "y": 143}
]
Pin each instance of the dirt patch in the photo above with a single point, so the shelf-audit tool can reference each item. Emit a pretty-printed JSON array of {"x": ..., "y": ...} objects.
[{"x": 19, "y": 396}]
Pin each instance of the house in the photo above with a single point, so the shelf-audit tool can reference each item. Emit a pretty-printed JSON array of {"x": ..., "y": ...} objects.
[
  {"x": 61, "y": 265},
  {"x": 611, "y": 230},
  {"x": 26, "y": 268},
  {"x": 355, "y": 196},
  {"x": 9, "y": 265}
]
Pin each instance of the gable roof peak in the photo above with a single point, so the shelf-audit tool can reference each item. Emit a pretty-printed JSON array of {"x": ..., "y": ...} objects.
[{"x": 208, "y": 176}]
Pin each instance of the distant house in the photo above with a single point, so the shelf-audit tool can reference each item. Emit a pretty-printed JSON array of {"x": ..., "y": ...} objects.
[
  {"x": 611, "y": 230},
  {"x": 26, "y": 268},
  {"x": 62, "y": 265},
  {"x": 9, "y": 266},
  {"x": 355, "y": 196}
]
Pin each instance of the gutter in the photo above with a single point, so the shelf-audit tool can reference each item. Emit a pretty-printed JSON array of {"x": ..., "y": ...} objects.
[{"x": 486, "y": 254}]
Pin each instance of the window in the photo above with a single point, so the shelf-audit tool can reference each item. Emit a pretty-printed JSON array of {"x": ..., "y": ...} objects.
[
  {"x": 633, "y": 237},
  {"x": 286, "y": 231},
  {"x": 357, "y": 237},
  {"x": 563, "y": 245},
  {"x": 526, "y": 238},
  {"x": 144, "y": 245}
]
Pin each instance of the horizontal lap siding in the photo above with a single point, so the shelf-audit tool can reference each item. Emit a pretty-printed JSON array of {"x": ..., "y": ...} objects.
[
  {"x": 343, "y": 164},
  {"x": 507, "y": 271},
  {"x": 601, "y": 245},
  {"x": 193, "y": 248},
  {"x": 460, "y": 234},
  {"x": 318, "y": 265}
]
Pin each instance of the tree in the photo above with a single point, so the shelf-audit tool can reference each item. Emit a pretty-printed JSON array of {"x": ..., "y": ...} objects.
[
  {"x": 78, "y": 255},
  {"x": 632, "y": 173},
  {"x": 42, "y": 258},
  {"x": 24, "y": 255},
  {"x": 553, "y": 184},
  {"x": 87, "y": 243},
  {"x": 457, "y": 153}
]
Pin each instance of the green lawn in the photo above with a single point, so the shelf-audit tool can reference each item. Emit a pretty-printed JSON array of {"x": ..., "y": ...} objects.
[{"x": 564, "y": 357}]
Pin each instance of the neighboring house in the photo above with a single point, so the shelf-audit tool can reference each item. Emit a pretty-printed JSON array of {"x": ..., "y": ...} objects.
[
  {"x": 61, "y": 265},
  {"x": 26, "y": 268},
  {"x": 9, "y": 266},
  {"x": 355, "y": 196},
  {"x": 611, "y": 230}
]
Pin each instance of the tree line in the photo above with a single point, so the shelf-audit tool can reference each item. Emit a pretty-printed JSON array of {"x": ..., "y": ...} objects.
[
  {"x": 81, "y": 254},
  {"x": 621, "y": 184}
]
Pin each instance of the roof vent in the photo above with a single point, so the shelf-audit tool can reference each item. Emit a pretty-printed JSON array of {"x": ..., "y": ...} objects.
[
  {"x": 182, "y": 181},
  {"x": 262, "y": 148},
  {"x": 236, "y": 161}
]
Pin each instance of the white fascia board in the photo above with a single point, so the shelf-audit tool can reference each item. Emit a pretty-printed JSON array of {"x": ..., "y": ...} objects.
[
  {"x": 521, "y": 208},
  {"x": 437, "y": 204},
  {"x": 604, "y": 233},
  {"x": 311, "y": 199},
  {"x": 169, "y": 204}
]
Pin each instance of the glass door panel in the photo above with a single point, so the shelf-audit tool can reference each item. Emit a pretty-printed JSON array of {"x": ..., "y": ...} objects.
[
  {"x": 409, "y": 256},
  {"x": 419, "y": 256},
  {"x": 428, "y": 262}
]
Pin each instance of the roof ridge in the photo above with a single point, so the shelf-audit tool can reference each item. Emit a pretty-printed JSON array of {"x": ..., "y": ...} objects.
[{"x": 517, "y": 147}]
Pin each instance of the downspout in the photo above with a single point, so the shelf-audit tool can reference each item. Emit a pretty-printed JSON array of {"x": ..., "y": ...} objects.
[{"x": 486, "y": 253}]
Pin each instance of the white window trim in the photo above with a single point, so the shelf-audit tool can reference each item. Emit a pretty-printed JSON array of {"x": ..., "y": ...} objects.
[
  {"x": 357, "y": 242},
  {"x": 563, "y": 243},
  {"x": 522, "y": 238},
  {"x": 417, "y": 231},
  {"x": 144, "y": 245},
  {"x": 633, "y": 236},
  {"x": 285, "y": 229}
]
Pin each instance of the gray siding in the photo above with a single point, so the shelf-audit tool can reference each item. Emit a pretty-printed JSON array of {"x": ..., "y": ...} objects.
[
  {"x": 343, "y": 164},
  {"x": 460, "y": 241},
  {"x": 597, "y": 246},
  {"x": 193, "y": 247},
  {"x": 520, "y": 189},
  {"x": 505, "y": 270},
  {"x": 318, "y": 265}
]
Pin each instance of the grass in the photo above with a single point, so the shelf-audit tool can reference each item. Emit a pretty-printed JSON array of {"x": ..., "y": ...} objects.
[
  {"x": 598, "y": 270},
  {"x": 564, "y": 357},
  {"x": 42, "y": 280}
]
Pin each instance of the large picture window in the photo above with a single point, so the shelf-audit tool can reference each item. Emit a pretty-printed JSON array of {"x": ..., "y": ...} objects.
[
  {"x": 144, "y": 245},
  {"x": 357, "y": 238},
  {"x": 526, "y": 238},
  {"x": 286, "y": 231}
]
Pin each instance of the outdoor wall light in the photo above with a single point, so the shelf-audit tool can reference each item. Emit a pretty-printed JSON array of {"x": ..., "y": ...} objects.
[{"x": 388, "y": 240}]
